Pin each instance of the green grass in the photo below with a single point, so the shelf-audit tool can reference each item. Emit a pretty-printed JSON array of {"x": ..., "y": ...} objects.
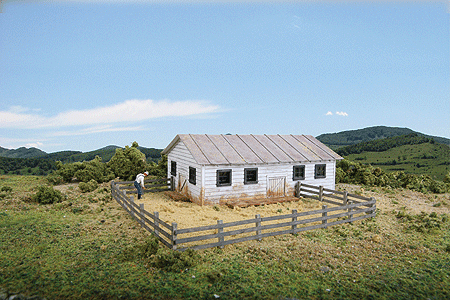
[
  {"x": 101, "y": 253},
  {"x": 426, "y": 158}
]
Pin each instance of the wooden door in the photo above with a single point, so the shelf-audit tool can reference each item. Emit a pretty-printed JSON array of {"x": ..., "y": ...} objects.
[
  {"x": 182, "y": 184},
  {"x": 276, "y": 187}
]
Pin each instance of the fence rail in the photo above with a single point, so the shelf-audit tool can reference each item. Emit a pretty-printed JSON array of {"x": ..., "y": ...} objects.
[
  {"x": 151, "y": 185},
  {"x": 349, "y": 208}
]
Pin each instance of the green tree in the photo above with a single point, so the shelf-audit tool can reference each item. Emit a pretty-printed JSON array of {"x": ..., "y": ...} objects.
[
  {"x": 94, "y": 170},
  {"x": 128, "y": 162}
]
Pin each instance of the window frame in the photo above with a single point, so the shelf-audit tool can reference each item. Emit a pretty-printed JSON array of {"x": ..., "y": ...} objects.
[
  {"x": 193, "y": 175},
  {"x": 173, "y": 168},
  {"x": 246, "y": 170},
  {"x": 218, "y": 183},
  {"x": 316, "y": 169},
  {"x": 295, "y": 178}
]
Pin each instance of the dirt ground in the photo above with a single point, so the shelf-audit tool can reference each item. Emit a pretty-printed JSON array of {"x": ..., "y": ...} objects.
[{"x": 188, "y": 215}]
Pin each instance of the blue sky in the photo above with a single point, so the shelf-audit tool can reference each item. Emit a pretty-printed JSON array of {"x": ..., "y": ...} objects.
[{"x": 81, "y": 75}]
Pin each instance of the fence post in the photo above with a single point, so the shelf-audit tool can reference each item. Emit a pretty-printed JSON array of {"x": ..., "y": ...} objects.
[
  {"x": 324, "y": 214},
  {"x": 141, "y": 211},
  {"x": 350, "y": 217},
  {"x": 321, "y": 193},
  {"x": 174, "y": 236},
  {"x": 297, "y": 189},
  {"x": 294, "y": 219},
  {"x": 219, "y": 231},
  {"x": 345, "y": 197},
  {"x": 172, "y": 183},
  {"x": 125, "y": 201},
  {"x": 372, "y": 206},
  {"x": 258, "y": 224},
  {"x": 132, "y": 206},
  {"x": 156, "y": 228}
]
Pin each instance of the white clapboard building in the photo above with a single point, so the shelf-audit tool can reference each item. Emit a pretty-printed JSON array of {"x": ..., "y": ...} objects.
[{"x": 216, "y": 169}]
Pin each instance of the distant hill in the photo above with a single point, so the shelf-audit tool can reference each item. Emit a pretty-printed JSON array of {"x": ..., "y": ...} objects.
[
  {"x": 352, "y": 137},
  {"x": 411, "y": 155},
  {"x": 22, "y": 153}
]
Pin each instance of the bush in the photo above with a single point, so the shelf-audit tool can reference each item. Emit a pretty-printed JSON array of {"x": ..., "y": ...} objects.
[
  {"x": 447, "y": 178},
  {"x": 94, "y": 170},
  {"x": 174, "y": 261},
  {"x": 47, "y": 195},
  {"x": 423, "y": 222},
  {"x": 55, "y": 178},
  {"x": 149, "y": 247},
  {"x": 127, "y": 163},
  {"x": 87, "y": 187},
  {"x": 357, "y": 173},
  {"x": 6, "y": 189},
  {"x": 67, "y": 171},
  {"x": 143, "y": 251}
]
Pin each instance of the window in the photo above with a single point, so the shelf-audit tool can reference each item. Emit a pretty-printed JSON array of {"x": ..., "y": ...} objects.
[
  {"x": 298, "y": 173},
  {"x": 173, "y": 168},
  {"x": 320, "y": 171},
  {"x": 251, "y": 176},
  {"x": 192, "y": 175},
  {"x": 223, "y": 177}
]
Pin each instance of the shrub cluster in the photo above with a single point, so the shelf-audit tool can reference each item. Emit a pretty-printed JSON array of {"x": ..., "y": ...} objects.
[
  {"x": 4, "y": 191},
  {"x": 422, "y": 222},
  {"x": 357, "y": 173},
  {"x": 89, "y": 186},
  {"x": 125, "y": 164},
  {"x": 174, "y": 261},
  {"x": 159, "y": 256},
  {"x": 47, "y": 195}
]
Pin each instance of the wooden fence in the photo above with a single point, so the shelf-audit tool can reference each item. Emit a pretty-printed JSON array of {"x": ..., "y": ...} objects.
[
  {"x": 349, "y": 208},
  {"x": 151, "y": 185}
]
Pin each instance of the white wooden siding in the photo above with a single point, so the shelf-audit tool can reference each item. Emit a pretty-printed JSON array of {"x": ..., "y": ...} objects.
[
  {"x": 215, "y": 194},
  {"x": 184, "y": 159}
]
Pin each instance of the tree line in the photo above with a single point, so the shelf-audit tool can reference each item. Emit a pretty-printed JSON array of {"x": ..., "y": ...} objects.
[
  {"x": 47, "y": 163},
  {"x": 26, "y": 166}
]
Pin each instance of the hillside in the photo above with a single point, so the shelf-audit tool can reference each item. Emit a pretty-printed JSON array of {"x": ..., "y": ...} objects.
[
  {"x": 425, "y": 158},
  {"x": 22, "y": 152},
  {"x": 351, "y": 137}
]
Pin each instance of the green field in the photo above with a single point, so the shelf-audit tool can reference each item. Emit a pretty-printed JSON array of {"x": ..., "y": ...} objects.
[
  {"x": 427, "y": 158},
  {"x": 87, "y": 247}
]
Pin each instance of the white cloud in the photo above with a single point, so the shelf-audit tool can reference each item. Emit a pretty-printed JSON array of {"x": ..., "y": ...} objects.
[
  {"x": 34, "y": 145},
  {"x": 329, "y": 113},
  {"x": 341, "y": 113},
  {"x": 13, "y": 143},
  {"x": 97, "y": 129},
  {"x": 128, "y": 111}
]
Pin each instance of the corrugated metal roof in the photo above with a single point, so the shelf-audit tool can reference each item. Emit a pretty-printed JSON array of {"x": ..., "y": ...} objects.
[{"x": 253, "y": 149}]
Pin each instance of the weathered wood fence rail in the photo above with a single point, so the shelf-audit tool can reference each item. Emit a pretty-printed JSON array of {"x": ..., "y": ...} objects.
[
  {"x": 323, "y": 194},
  {"x": 151, "y": 185},
  {"x": 218, "y": 235}
]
